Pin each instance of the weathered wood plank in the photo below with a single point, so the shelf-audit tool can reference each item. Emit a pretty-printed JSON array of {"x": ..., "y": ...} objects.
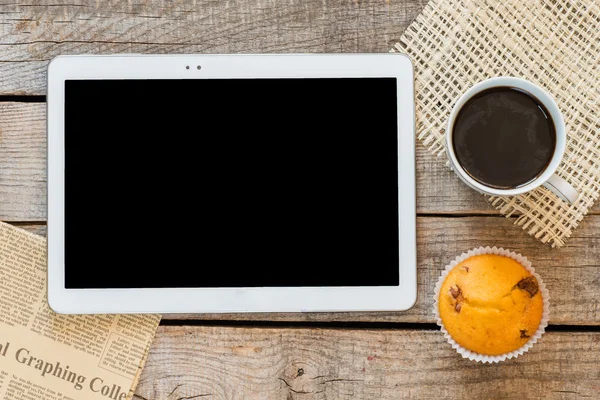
[
  {"x": 23, "y": 161},
  {"x": 289, "y": 364},
  {"x": 32, "y": 34},
  {"x": 440, "y": 191},
  {"x": 38, "y": 229},
  {"x": 572, "y": 274}
]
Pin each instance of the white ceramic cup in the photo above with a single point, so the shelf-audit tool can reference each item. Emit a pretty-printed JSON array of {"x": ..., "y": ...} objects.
[{"x": 548, "y": 178}]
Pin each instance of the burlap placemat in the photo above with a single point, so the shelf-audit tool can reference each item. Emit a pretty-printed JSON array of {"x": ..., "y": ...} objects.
[{"x": 555, "y": 44}]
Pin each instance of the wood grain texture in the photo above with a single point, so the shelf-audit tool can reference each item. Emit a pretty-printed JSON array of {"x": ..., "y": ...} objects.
[
  {"x": 38, "y": 229},
  {"x": 572, "y": 274},
  {"x": 302, "y": 364},
  {"x": 34, "y": 32},
  {"x": 23, "y": 161}
]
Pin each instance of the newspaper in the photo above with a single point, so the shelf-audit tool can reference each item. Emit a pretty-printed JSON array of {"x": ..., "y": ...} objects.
[{"x": 48, "y": 356}]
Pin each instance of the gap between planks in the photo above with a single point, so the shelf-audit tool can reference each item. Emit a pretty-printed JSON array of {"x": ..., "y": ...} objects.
[{"x": 356, "y": 325}]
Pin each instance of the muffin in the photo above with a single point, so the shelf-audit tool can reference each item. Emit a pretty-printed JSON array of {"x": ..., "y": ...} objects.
[{"x": 491, "y": 304}]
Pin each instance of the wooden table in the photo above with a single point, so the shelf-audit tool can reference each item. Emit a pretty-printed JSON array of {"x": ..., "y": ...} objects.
[{"x": 316, "y": 355}]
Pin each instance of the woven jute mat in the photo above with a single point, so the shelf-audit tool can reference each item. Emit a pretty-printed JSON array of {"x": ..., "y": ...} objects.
[{"x": 555, "y": 44}]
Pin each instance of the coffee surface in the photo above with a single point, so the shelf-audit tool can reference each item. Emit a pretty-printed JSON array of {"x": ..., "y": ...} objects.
[{"x": 504, "y": 137}]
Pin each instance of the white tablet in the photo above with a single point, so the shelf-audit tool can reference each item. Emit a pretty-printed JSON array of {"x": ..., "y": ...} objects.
[{"x": 231, "y": 183}]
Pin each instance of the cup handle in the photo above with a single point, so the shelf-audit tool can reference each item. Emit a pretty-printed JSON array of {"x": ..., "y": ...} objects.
[{"x": 562, "y": 189}]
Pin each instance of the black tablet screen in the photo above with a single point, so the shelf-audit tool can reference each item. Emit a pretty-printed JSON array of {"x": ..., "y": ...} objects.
[{"x": 231, "y": 183}]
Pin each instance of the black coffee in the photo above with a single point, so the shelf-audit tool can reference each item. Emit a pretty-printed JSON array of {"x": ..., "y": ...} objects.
[{"x": 504, "y": 137}]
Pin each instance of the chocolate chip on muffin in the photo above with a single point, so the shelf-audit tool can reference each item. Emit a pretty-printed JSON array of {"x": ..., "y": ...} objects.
[
  {"x": 529, "y": 285},
  {"x": 457, "y": 294}
]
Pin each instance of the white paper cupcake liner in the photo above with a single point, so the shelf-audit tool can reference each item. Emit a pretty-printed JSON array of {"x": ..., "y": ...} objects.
[{"x": 466, "y": 353}]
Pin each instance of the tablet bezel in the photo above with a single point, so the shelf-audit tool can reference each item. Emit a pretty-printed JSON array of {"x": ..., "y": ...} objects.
[{"x": 230, "y": 300}]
